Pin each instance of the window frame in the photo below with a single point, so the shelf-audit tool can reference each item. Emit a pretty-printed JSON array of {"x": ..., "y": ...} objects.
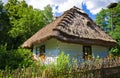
[
  {"x": 87, "y": 52},
  {"x": 42, "y": 50}
]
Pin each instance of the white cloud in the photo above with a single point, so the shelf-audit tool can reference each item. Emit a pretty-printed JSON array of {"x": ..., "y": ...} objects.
[
  {"x": 62, "y": 5},
  {"x": 96, "y": 5},
  {"x": 93, "y": 5},
  {"x": 59, "y": 1},
  {"x": 5, "y": 1},
  {"x": 69, "y": 4},
  {"x": 39, "y": 3}
]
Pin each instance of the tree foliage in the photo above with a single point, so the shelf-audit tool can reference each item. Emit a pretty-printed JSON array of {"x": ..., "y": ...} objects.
[
  {"x": 21, "y": 21},
  {"x": 108, "y": 18},
  {"x": 4, "y": 24},
  {"x": 15, "y": 58},
  {"x": 103, "y": 19}
]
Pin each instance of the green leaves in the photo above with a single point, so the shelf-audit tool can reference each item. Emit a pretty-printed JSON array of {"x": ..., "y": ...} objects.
[
  {"x": 20, "y": 21},
  {"x": 115, "y": 51},
  {"x": 15, "y": 58},
  {"x": 60, "y": 65},
  {"x": 103, "y": 19},
  {"x": 26, "y": 20},
  {"x": 63, "y": 62},
  {"x": 108, "y": 19},
  {"x": 4, "y": 24}
]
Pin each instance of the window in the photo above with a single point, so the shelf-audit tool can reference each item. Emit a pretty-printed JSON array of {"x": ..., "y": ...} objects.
[
  {"x": 42, "y": 50},
  {"x": 42, "y": 53},
  {"x": 87, "y": 52},
  {"x": 37, "y": 51}
]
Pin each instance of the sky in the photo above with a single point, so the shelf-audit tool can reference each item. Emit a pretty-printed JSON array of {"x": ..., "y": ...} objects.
[{"x": 91, "y": 7}]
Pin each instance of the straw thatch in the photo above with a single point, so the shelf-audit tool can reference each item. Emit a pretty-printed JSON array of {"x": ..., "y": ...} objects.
[{"x": 74, "y": 26}]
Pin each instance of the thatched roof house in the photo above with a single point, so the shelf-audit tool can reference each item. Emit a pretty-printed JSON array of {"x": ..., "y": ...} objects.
[{"x": 75, "y": 27}]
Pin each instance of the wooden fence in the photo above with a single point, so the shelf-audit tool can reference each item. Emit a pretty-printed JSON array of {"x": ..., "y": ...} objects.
[{"x": 102, "y": 68}]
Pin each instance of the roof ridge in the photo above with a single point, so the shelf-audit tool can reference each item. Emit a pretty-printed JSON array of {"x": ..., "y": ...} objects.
[
  {"x": 68, "y": 17},
  {"x": 79, "y": 10}
]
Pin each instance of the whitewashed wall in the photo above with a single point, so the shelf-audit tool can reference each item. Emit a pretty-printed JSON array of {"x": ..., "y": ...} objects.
[
  {"x": 55, "y": 47},
  {"x": 100, "y": 51}
]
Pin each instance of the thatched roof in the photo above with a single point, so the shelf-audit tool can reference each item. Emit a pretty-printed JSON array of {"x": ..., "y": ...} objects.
[{"x": 74, "y": 26}]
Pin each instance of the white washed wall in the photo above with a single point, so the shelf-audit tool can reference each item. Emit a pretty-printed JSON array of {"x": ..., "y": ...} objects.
[
  {"x": 52, "y": 48},
  {"x": 100, "y": 51},
  {"x": 55, "y": 47}
]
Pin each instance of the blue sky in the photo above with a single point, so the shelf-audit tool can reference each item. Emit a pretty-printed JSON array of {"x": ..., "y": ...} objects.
[
  {"x": 93, "y": 16},
  {"x": 91, "y": 7}
]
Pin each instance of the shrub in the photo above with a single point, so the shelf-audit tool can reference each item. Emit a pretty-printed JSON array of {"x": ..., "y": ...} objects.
[
  {"x": 59, "y": 66},
  {"x": 115, "y": 51},
  {"x": 62, "y": 62},
  {"x": 15, "y": 58}
]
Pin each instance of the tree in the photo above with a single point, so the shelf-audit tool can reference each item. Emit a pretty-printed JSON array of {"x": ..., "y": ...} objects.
[
  {"x": 106, "y": 15},
  {"x": 105, "y": 20},
  {"x": 4, "y": 25},
  {"x": 25, "y": 21}
]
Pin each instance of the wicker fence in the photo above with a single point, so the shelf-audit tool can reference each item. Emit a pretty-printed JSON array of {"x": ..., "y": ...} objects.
[{"x": 102, "y": 68}]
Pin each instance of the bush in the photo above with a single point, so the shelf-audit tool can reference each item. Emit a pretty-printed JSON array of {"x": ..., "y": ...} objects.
[
  {"x": 63, "y": 62},
  {"x": 115, "y": 51},
  {"x": 59, "y": 66},
  {"x": 15, "y": 58}
]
